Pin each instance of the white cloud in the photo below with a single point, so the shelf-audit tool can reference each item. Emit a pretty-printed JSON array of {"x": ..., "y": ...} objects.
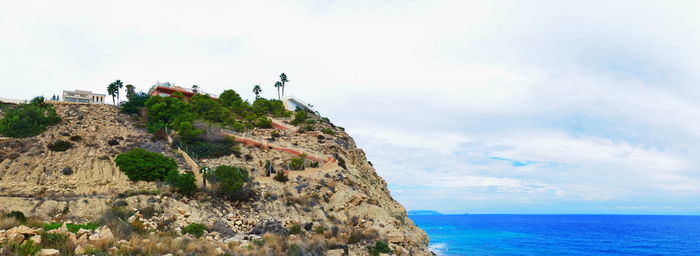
[{"x": 583, "y": 101}]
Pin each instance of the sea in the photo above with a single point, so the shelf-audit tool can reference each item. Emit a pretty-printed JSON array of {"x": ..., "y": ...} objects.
[{"x": 487, "y": 234}]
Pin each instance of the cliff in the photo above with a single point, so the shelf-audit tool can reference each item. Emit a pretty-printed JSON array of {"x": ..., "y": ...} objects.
[{"x": 340, "y": 207}]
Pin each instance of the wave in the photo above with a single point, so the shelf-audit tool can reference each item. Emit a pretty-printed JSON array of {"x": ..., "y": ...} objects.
[{"x": 438, "y": 248}]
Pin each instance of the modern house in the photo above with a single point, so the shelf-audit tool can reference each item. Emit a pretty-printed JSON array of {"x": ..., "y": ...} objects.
[
  {"x": 83, "y": 97},
  {"x": 167, "y": 89},
  {"x": 291, "y": 103}
]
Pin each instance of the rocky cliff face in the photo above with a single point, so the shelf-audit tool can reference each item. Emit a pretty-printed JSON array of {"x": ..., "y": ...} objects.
[{"x": 344, "y": 202}]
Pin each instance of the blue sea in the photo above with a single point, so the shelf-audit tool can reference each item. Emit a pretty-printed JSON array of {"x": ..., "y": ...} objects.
[{"x": 561, "y": 234}]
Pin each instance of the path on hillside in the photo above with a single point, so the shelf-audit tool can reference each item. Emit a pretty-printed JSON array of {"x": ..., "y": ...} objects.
[
  {"x": 287, "y": 147},
  {"x": 331, "y": 166},
  {"x": 281, "y": 125}
]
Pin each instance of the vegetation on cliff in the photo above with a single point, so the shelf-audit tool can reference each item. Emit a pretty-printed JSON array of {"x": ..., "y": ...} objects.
[
  {"x": 139, "y": 164},
  {"x": 28, "y": 120}
]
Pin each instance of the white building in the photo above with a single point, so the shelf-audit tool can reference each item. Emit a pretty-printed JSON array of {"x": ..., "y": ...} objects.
[
  {"x": 291, "y": 103},
  {"x": 83, "y": 97}
]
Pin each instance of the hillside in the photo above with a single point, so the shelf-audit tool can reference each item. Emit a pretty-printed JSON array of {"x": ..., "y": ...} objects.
[{"x": 338, "y": 206}]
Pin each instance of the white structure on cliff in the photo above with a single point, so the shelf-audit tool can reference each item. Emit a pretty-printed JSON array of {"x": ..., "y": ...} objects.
[
  {"x": 83, "y": 97},
  {"x": 291, "y": 103}
]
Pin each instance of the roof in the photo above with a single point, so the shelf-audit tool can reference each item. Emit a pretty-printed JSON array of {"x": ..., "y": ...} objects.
[{"x": 298, "y": 102}]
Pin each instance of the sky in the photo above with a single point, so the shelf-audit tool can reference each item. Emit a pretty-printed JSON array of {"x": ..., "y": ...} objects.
[{"x": 462, "y": 106}]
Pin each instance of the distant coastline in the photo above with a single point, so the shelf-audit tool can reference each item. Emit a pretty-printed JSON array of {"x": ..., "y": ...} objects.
[{"x": 423, "y": 212}]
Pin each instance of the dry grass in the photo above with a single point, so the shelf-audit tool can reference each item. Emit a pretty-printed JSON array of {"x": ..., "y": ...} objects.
[{"x": 8, "y": 223}]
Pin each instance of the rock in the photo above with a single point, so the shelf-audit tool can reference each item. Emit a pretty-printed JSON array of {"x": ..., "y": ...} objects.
[
  {"x": 16, "y": 238},
  {"x": 269, "y": 226},
  {"x": 336, "y": 252},
  {"x": 24, "y": 230},
  {"x": 49, "y": 252},
  {"x": 83, "y": 231},
  {"x": 79, "y": 250},
  {"x": 36, "y": 239},
  {"x": 218, "y": 251},
  {"x": 106, "y": 233}
]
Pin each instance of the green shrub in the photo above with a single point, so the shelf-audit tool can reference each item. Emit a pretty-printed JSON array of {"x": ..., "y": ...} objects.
[
  {"x": 328, "y": 131},
  {"x": 28, "y": 120},
  {"x": 297, "y": 163},
  {"x": 295, "y": 229},
  {"x": 135, "y": 103},
  {"x": 378, "y": 248},
  {"x": 263, "y": 122},
  {"x": 56, "y": 241},
  {"x": 319, "y": 229},
  {"x": 60, "y": 145},
  {"x": 71, "y": 227},
  {"x": 19, "y": 216},
  {"x": 182, "y": 183},
  {"x": 139, "y": 164},
  {"x": 299, "y": 117},
  {"x": 281, "y": 177},
  {"x": 202, "y": 149},
  {"x": 188, "y": 133},
  {"x": 194, "y": 229},
  {"x": 27, "y": 248},
  {"x": 229, "y": 179}
]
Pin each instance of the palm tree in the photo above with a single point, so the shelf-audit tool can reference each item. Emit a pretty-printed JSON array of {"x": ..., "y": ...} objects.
[
  {"x": 119, "y": 86},
  {"x": 130, "y": 91},
  {"x": 257, "y": 90},
  {"x": 278, "y": 84},
  {"x": 283, "y": 78},
  {"x": 112, "y": 91}
]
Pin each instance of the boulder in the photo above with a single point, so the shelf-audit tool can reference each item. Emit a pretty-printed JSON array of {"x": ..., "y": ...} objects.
[
  {"x": 16, "y": 238},
  {"x": 24, "y": 230},
  {"x": 49, "y": 252},
  {"x": 106, "y": 233},
  {"x": 36, "y": 239},
  {"x": 336, "y": 252}
]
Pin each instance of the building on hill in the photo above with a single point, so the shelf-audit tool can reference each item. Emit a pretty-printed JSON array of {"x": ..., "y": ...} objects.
[
  {"x": 83, "y": 97},
  {"x": 12, "y": 101},
  {"x": 167, "y": 89},
  {"x": 291, "y": 103}
]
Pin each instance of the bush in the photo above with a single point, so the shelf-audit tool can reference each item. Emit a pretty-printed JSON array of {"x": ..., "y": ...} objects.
[
  {"x": 299, "y": 117},
  {"x": 60, "y": 145},
  {"x": 135, "y": 103},
  {"x": 328, "y": 131},
  {"x": 263, "y": 122},
  {"x": 194, "y": 229},
  {"x": 188, "y": 133},
  {"x": 67, "y": 171},
  {"x": 202, "y": 149},
  {"x": 139, "y": 164},
  {"x": 319, "y": 229},
  {"x": 378, "y": 248},
  {"x": 297, "y": 163},
  {"x": 19, "y": 216},
  {"x": 55, "y": 241},
  {"x": 76, "y": 138},
  {"x": 26, "y": 248},
  {"x": 281, "y": 177},
  {"x": 229, "y": 179},
  {"x": 112, "y": 142},
  {"x": 182, "y": 183},
  {"x": 295, "y": 229},
  {"x": 28, "y": 120}
]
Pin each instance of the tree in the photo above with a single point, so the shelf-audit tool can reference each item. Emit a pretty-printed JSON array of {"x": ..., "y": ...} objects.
[
  {"x": 195, "y": 88},
  {"x": 112, "y": 91},
  {"x": 139, "y": 164},
  {"x": 278, "y": 84},
  {"x": 229, "y": 179},
  {"x": 188, "y": 133},
  {"x": 257, "y": 90},
  {"x": 283, "y": 79},
  {"x": 135, "y": 103},
  {"x": 130, "y": 91},
  {"x": 120, "y": 85}
]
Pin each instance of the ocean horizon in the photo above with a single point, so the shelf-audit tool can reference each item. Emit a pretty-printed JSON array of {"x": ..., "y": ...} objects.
[{"x": 561, "y": 234}]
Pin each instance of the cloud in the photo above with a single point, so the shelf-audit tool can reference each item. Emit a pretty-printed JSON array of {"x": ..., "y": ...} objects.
[{"x": 475, "y": 106}]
